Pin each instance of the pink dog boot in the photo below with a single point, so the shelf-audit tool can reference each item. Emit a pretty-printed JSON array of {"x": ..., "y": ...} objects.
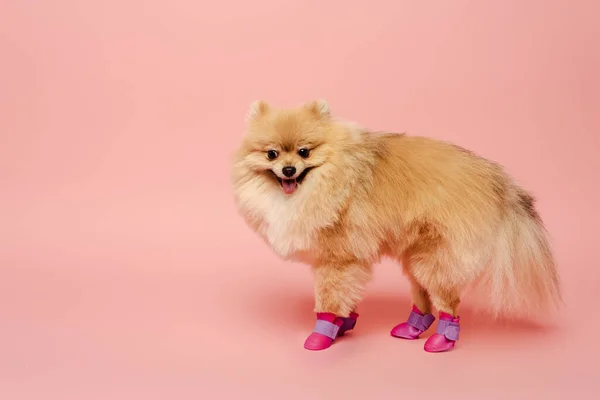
[
  {"x": 417, "y": 323},
  {"x": 348, "y": 323},
  {"x": 325, "y": 332},
  {"x": 446, "y": 334}
]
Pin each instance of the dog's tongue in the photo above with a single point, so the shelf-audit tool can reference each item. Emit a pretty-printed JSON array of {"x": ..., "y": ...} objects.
[{"x": 289, "y": 185}]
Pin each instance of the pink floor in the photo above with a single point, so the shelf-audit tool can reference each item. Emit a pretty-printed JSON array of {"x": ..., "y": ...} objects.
[{"x": 125, "y": 272}]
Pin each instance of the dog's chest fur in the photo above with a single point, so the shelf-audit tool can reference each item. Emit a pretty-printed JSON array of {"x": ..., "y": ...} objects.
[
  {"x": 287, "y": 231},
  {"x": 290, "y": 224}
]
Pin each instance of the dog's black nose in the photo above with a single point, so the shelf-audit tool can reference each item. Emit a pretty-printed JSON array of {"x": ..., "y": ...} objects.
[{"x": 289, "y": 171}]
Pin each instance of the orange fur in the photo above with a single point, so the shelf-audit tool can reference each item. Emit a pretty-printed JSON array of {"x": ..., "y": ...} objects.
[{"x": 451, "y": 217}]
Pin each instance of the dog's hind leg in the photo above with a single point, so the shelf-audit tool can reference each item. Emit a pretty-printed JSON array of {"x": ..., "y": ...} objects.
[
  {"x": 420, "y": 317},
  {"x": 443, "y": 278}
]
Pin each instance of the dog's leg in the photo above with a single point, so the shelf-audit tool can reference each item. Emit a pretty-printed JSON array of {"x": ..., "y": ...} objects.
[
  {"x": 338, "y": 290},
  {"x": 446, "y": 299},
  {"x": 420, "y": 317},
  {"x": 433, "y": 272},
  {"x": 420, "y": 297}
]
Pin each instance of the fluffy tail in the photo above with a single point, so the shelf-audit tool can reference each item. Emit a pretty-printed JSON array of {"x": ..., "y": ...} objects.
[{"x": 523, "y": 279}]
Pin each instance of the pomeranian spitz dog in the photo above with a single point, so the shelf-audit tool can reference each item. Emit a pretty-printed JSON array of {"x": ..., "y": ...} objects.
[{"x": 326, "y": 192}]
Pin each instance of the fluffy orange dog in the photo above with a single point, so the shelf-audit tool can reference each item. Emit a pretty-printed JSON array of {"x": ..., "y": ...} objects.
[{"x": 326, "y": 192}]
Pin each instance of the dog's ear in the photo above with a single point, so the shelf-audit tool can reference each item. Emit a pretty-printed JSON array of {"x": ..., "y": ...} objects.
[
  {"x": 319, "y": 108},
  {"x": 257, "y": 109}
]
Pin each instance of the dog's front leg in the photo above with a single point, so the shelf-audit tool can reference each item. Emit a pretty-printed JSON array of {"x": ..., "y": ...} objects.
[{"x": 339, "y": 287}]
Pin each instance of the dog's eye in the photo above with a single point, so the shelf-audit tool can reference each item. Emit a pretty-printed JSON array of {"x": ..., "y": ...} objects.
[
  {"x": 303, "y": 152},
  {"x": 272, "y": 154}
]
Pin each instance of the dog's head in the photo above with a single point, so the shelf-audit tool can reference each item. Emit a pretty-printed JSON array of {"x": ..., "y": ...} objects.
[{"x": 285, "y": 146}]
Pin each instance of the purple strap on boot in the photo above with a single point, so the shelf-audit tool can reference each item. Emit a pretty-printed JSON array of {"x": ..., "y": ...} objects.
[
  {"x": 421, "y": 322},
  {"x": 326, "y": 328},
  {"x": 449, "y": 329}
]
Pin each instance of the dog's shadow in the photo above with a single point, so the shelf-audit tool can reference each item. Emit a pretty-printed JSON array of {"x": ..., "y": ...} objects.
[{"x": 379, "y": 313}]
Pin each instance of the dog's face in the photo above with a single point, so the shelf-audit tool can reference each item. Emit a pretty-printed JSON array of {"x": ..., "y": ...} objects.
[
  {"x": 285, "y": 147},
  {"x": 294, "y": 173}
]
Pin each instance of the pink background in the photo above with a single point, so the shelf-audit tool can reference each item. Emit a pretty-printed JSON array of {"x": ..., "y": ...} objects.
[{"x": 125, "y": 271}]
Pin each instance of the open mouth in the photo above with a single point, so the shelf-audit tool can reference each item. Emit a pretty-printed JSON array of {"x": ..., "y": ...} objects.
[{"x": 290, "y": 185}]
